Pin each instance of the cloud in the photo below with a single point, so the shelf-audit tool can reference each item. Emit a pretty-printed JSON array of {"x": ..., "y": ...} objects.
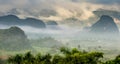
[
  {"x": 81, "y": 11},
  {"x": 59, "y": 9},
  {"x": 105, "y": 1},
  {"x": 6, "y": 5},
  {"x": 99, "y": 1},
  {"x": 15, "y": 2}
]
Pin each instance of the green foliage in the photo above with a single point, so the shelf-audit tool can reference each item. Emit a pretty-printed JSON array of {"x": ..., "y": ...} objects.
[
  {"x": 16, "y": 59},
  {"x": 73, "y": 56},
  {"x": 47, "y": 42},
  {"x": 68, "y": 56},
  {"x": 114, "y": 61},
  {"x": 2, "y": 61},
  {"x": 13, "y": 39}
]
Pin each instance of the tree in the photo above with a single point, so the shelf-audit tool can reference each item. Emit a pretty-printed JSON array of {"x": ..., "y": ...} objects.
[
  {"x": 16, "y": 59},
  {"x": 67, "y": 56}
]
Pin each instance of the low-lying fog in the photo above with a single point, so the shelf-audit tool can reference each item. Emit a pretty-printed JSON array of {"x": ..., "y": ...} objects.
[{"x": 76, "y": 37}]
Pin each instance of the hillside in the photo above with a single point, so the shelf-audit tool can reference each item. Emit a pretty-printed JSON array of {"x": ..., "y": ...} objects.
[
  {"x": 13, "y": 39},
  {"x": 105, "y": 24}
]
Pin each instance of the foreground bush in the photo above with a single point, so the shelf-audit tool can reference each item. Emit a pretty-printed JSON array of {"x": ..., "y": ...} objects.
[{"x": 66, "y": 56}]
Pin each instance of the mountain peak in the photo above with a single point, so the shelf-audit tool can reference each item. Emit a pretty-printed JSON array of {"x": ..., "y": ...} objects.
[
  {"x": 14, "y": 38},
  {"x": 12, "y": 20},
  {"x": 52, "y": 23},
  {"x": 106, "y": 24},
  {"x": 106, "y": 17}
]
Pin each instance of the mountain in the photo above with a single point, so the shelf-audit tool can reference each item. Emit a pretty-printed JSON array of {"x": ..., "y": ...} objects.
[
  {"x": 13, "y": 39},
  {"x": 12, "y": 20},
  {"x": 52, "y": 25},
  {"x": 9, "y": 20},
  {"x": 106, "y": 24},
  {"x": 33, "y": 22}
]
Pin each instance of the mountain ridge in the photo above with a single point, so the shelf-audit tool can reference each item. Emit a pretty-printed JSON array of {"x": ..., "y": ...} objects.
[
  {"x": 105, "y": 24},
  {"x": 12, "y": 20}
]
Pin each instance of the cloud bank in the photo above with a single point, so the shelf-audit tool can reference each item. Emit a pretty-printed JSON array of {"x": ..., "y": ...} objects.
[{"x": 56, "y": 9}]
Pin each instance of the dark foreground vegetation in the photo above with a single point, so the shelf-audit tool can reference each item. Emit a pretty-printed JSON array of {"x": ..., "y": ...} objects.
[{"x": 66, "y": 56}]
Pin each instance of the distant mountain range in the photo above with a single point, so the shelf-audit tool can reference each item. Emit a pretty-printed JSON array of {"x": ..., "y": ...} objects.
[
  {"x": 52, "y": 25},
  {"x": 12, "y": 20}
]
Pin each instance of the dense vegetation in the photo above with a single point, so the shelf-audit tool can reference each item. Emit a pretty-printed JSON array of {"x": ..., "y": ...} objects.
[
  {"x": 47, "y": 42},
  {"x": 13, "y": 39},
  {"x": 66, "y": 56}
]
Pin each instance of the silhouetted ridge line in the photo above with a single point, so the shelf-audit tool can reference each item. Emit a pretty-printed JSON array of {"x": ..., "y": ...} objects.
[{"x": 12, "y": 20}]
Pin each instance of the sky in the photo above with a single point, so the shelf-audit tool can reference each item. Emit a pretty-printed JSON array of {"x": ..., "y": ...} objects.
[{"x": 56, "y": 9}]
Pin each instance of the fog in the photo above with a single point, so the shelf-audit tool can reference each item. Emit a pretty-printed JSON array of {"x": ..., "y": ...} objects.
[
  {"x": 73, "y": 21},
  {"x": 73, "y": 38}
]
